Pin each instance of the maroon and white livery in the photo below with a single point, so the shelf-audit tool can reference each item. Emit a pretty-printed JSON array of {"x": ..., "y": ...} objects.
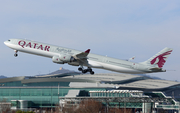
[{"x": 73, "y": 57}]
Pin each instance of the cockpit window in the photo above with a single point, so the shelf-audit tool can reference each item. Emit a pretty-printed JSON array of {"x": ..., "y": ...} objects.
[{"x": 9, "y": 40}]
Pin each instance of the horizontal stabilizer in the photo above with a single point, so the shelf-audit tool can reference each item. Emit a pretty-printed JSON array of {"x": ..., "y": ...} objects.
[{"x": 157, "y": 70}]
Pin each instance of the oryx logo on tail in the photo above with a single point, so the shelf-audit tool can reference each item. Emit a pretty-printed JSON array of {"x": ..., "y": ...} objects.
[{"x": 161, "y": 59}]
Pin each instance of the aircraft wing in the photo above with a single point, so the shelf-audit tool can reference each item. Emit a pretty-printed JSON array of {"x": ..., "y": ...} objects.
[
  {"x": 82, "y": 57},
  {"x": 131, "y": 58}
]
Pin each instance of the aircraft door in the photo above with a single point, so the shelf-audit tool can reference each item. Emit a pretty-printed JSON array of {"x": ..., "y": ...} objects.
[
  {"x": 104, "y": 60},
  {"x": 135, "y": 66}
]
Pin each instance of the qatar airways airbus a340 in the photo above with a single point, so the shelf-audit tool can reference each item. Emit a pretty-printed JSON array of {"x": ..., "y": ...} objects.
[{"x": 73, "y": 57}]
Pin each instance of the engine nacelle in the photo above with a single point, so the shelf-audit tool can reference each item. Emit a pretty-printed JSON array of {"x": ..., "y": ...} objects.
[
  {"x": 66, "y": 58},
  {"x": 57, "y": 60},
  {"x": 74, "y": 63}
]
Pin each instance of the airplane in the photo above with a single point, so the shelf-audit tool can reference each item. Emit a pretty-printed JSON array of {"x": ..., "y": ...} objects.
[{"x": 61, "y": 55}]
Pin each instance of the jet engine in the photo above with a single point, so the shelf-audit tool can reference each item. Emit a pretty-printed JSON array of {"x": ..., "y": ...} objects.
[
  {"x": 63, "y": 59},
  {"x": 66, "y": 58},
  {"x": 57, "y": 60}
]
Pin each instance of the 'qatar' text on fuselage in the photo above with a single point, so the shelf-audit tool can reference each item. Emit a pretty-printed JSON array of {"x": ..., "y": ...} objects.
[{"x": 33, "y": 45}]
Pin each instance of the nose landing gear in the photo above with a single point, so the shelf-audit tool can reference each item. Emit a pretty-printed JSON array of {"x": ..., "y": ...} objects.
[
  {"x": 15, "y": 54},
  {"x": 86, "y": 70}
]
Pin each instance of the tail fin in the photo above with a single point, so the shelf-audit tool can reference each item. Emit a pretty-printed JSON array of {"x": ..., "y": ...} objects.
[{"x": 159, "y": 59}]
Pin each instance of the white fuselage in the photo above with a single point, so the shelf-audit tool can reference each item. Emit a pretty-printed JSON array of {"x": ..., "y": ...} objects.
[{"x": 94, "y": 61}]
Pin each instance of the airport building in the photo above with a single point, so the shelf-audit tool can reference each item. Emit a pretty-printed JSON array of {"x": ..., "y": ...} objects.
[{"x": 49, "y": 90}]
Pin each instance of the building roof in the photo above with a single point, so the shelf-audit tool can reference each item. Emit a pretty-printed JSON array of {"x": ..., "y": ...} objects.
[
  {"x": 151, "y": 84},
  {"x": 124, "y": 81},
  {"x": 115, "y": 80}
]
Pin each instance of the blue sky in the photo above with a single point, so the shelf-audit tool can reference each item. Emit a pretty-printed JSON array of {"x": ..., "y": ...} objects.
[{"x": 118, "y": 28}]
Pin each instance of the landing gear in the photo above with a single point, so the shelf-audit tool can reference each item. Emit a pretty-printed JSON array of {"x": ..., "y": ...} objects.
[
  {"x": 92, "y": 72},
  {"x": 15, "y": 54},
  {"x": 80, "y": 68},
  {"x": 86, "y": 70}
]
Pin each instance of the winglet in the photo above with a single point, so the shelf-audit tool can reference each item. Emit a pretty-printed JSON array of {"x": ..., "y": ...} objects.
[
  {"x": 87, "y": 51},
  {"x": 132, "y": 58}
]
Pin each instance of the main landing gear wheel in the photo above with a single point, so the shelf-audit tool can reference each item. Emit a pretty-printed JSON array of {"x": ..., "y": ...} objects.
[
  {"x": 92, "y": 72},
  {"x": 84, "y": 71},
  {"x": 80, "y": 68}
]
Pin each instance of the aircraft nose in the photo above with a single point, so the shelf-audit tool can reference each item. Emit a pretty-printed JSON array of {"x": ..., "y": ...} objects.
[{"x": 6, "y": 42}]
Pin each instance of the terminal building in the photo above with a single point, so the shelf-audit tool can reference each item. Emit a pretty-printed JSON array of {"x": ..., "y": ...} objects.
[{"x": 46, "y": 91}]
